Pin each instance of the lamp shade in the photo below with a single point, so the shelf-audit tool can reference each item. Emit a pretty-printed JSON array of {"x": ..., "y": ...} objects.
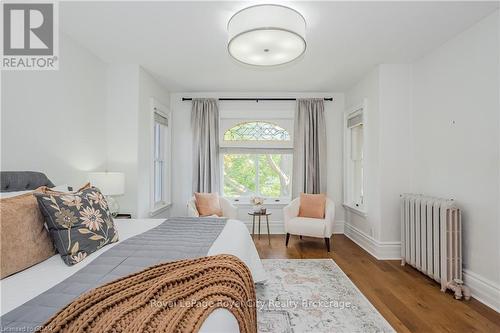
[
  {"x": 110, "y": 183},
  {"x": 266, "y": 35}
]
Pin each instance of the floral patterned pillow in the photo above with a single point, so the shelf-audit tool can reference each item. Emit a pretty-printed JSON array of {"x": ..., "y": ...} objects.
[{"x": 79, "y": 223}]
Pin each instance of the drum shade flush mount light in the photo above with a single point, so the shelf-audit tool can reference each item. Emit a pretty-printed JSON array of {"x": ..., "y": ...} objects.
[{"x": 266, "y": 35}]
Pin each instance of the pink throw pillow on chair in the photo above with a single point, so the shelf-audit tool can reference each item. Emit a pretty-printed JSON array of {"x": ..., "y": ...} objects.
[
  {"x": 208, "y": 204},
  {"x": 312, "y": 205}
]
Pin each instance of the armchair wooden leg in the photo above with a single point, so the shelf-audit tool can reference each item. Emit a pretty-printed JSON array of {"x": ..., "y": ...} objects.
[
  {"x": 300, "y": 236},
  {"x": 287, "y": 239},
  {"x": 327, "y": 243}
]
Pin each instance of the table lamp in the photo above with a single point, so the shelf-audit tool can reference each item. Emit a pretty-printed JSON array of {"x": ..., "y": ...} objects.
[{"x": 111, "y": 184}]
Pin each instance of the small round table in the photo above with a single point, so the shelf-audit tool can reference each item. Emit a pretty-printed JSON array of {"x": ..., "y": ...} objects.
[{"x": 257, "y": 214}]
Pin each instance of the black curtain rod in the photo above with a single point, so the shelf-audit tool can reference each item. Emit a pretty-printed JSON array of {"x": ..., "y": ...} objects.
[{"x": 330, "y": 99}]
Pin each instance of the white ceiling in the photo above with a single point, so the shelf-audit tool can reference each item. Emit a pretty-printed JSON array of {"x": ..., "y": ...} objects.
[{"x": 183, "y": 44}]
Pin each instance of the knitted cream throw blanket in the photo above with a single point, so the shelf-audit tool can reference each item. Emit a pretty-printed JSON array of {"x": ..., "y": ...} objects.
[{"x": 172, "y": 297}]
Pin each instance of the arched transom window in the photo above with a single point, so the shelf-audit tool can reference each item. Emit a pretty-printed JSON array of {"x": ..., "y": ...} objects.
[{"x": 256, "y": 131}]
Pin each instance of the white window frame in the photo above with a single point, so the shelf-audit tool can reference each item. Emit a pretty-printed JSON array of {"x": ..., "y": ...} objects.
[
  {"x": 246, "y": 200},
  {"x": 157, "y": 207},
  {"x": 349, "y": 202},
  {"x": 254, "y": 147}
]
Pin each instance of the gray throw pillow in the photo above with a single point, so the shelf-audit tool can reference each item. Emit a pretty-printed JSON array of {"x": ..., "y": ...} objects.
[{"x": 79, "y": 223}]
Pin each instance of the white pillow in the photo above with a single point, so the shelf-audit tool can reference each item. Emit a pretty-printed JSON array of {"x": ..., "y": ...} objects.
[{"x": 59, "y": 188}]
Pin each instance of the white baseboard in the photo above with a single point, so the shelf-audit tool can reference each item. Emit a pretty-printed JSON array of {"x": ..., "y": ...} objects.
[
  {"x": 378, "y": 249},
  {"x": 338, "y": 227},
  {"x": 483, "y": 290},
  {"x": 277, "y": 228}
]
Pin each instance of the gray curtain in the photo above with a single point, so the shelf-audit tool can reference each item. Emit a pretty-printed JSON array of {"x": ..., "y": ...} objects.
[
  {"x": 205, "y": 127},
  {"x": 309, "y": 158}
]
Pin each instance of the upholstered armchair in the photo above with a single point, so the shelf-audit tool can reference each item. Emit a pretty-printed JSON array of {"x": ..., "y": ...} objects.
[
  {"x": 228, "y": 209},
  {"x": 305, "y": 226}
]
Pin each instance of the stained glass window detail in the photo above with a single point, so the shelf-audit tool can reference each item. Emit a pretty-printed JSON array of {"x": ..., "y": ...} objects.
[{"x": 256, "y": 131}]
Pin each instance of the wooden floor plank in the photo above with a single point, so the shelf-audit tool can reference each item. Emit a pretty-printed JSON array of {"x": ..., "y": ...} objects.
[{"x": 409, "y": 300}]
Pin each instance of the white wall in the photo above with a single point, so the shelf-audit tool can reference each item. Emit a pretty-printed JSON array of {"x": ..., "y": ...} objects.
[
  {"x": 456, "y": 139},
  {"x": 386, "y": 92},
  {"x": 129, "y": 112},
  {"x": 182, "y": 144},
  {"x": 148, "y": 88},
  {"x": 52, "y": 121},
  {"x": 394, "y": 159},
  {"x": 367, "y": 91},
  {"x": 87, "y": 116},
  {"x": 434, "y": 128},
  {"x": 122, "y": 130}
]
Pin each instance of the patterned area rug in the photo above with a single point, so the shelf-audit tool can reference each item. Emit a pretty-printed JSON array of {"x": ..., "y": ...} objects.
[{"x": 313, "y": 295}]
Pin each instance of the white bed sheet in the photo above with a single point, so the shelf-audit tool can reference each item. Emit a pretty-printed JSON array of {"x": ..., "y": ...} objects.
[{"x": 234, "y": 239}]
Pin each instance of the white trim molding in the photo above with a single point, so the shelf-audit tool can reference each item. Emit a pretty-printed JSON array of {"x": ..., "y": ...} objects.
[
  {"x": 484, "y": 290},
  {"x": 160, "y": 210},
  {"x": 355, "y": 210},
  {"x": 276, "y": 227},
  {"x": 244, "y": 203},
  {"x": 378, "y": 249},
  {"x": 354, "y": 111},
  {"x": 164, "y": 111},
  {"x": 338, "y": 227}
]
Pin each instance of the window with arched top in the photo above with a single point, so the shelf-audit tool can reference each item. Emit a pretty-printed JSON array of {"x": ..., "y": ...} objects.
[{"x": 256, "y": 131}]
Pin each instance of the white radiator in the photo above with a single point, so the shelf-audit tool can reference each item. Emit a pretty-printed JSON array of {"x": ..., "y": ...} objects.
[{"x": 431, "y": 239}]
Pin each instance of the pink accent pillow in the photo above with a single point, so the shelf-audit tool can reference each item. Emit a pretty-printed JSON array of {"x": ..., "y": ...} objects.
[
  {"x": 208, "y": 204},
  {"x": 312, "y": 205}
]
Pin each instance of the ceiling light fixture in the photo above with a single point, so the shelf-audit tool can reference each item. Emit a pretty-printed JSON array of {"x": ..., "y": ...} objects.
[{"x": 266, "y": 35}]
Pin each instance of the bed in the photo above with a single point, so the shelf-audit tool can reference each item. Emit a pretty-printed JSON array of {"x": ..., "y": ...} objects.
[{"x": 31, "y": 284}]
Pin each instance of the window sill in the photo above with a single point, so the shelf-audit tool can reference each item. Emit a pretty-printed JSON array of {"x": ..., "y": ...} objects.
[
  {"x": 269, "y": 204},
  {"x": 355, "y": 210},
  {"x": 160, "y": 209}
]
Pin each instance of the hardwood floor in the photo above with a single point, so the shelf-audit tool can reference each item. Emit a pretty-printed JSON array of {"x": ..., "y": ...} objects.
[{"x": 410, "y": 301}]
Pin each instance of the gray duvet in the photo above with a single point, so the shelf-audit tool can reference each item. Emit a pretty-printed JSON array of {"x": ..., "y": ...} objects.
[{"x": 174, "y": 239}]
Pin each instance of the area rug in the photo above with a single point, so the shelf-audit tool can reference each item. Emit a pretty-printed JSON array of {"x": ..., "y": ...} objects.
[{"x": 313, "y": 295}]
